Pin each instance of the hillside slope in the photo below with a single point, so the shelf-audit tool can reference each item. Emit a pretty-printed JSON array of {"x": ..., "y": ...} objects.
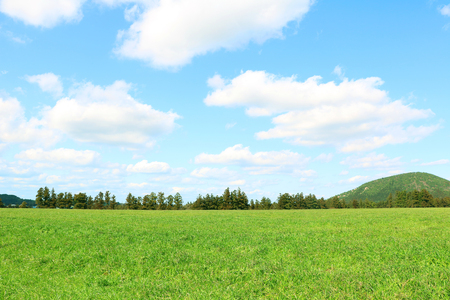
[
  {"x": 13, "y": 199},
  {"x": 378, "y": 190}
]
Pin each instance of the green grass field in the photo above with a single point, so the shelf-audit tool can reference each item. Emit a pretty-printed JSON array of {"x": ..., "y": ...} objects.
[{"x": 314, "y": 254}]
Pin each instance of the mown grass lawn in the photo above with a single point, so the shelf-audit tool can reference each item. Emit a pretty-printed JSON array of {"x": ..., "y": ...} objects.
[{"x": 314, "y": 254}]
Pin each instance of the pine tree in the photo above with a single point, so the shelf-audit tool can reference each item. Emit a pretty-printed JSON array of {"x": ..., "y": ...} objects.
[
  {"x": 60, "y": 201},
  {"x": 389, "y": 201},
  {"x": 113, "y": 203},
  {"x": 227, "y": 199},
  {"x": 40, "y": 198},
  {"x": 46, "y": 197},
  {"x": 129, "y": 201},
  {"x": 99, "y": 202},
  {"x": 161, "y": 201},
  {"x": 23, "y": 205},
  {"x": 355, "y": 203},
  {"x": 80, "y": 200},
  {"x": 89, "y": 202},
  {"x": 178, "y": 201},
  {"x": 107, "y": 199},
  {"x": 426, "y": 198},
  {"x": 53, "y": 199},
  {"x": 170, "y": 202}
]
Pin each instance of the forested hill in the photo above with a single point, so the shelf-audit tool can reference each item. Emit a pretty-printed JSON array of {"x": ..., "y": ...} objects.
[
  {"x": 378, "y": 190},
  {"x": 13, "y": 199}
]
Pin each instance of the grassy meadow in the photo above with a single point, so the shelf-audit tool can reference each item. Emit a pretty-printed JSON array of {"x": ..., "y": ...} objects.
[{"x": 301, "y": 254}]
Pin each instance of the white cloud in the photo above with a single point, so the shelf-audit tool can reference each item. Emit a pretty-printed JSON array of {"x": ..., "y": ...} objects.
[
  {"x": 48, "y": 82},
  {"x": 438, "y": 162},
  {"x": 15, "y": 128},
  {"x": 213, "y": 173},
  {"x": 445, "y": 10},
  {"x": 324, "y": 157},
  {"x": 43, "y": 13},
  {"x": 344, "y": 172},
  {"x": 237, "y": 182},
  {"x": 61, "y": 155},
  {"x": 109, "y": 115},
  {"x": 170, "y": 33},
  {"x": 149, "y": 167},
  {"x": 240, "y": 155},
  {"x": 373, "y": 161},
  {"x": 338, "y": 71},
  {"x": 354, "y": 115},
  {"x": 138, "y": 185},
  {"x": 230, "y": 125},
  {"x": 357, "y": 178}
]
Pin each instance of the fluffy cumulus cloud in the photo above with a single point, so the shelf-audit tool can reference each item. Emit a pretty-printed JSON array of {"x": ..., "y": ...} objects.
[
  {"x": 445, "y": 10},
  {"x": 372, "y": 161},
  {"x": 61, "y": 155},
  {"x": 354, "y": 115},
  {"x": 48, "y": 82},
  {"x": 240, "y": 155},
  {"x": 108, "y": 115},
  {"x": 217, "y": 173},
  {"x": 258, "y": 163},
  {"x": 16, "y": 128},
  {"x": 43, "y": 13},
  {"x": 170, "y": 33},
  {"x": 149, "y": 167}
]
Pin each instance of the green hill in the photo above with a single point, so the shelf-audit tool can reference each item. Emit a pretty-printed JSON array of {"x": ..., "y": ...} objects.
[
  {"x": 12, "y": 199},
  {"x": 378, "y": 190}
]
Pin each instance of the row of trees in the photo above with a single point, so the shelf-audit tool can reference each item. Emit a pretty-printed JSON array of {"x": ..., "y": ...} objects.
[
  {"x": 50, "y": 199},
  {"x": 229, "y": 200},
  {"x": 154, "y": 201},
  {"x": 238, "y": 200},
  {"x": 46, "y": 198}
]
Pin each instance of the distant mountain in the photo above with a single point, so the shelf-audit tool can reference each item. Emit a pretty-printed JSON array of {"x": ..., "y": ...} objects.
[
  {"x": 12, "y": 199},
  {"x": 378, "y": 190}
]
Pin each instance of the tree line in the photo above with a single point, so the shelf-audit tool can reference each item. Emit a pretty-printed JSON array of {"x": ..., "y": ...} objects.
[
  {"x": 229, "y": 200},
  {"x": 46, "y": 198}
]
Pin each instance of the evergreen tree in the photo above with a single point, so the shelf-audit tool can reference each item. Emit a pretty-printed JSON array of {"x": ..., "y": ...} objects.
[
  {"x": 40, "y": 198},
  {"x": 178, "y": 201},
  {"x": 113, "y": 203},
  {"x": 129, "y": 201},
  {"x": 426, "y": 198},
  {"x": 170, "y": 202},
  {"x": 227, "y": 203},
  {"x": 1, "y": 203},
  {"x": 69, "y": 200},
  {"x": 46, "y": 197},
  {"x": 107, "y": 199},
  {"x": 80, "y": 200},
  {"x": 99, "y": 202},
  {"x": 153, "y": 200},
  {"x": 335, "y": 203},
  {"x": 146, "y": 202},
  {"x": 355, "y": 203},
  {"x": 311, "y": 202},
  {"x": 161, "y": 201},
  {"x": 60, "y": 201},
  {"x": 390, "y": 201},
  {"x": 53, "y": 199},
  {"x": 89, "y": 203},
  {"x": 23, "y": 205}
]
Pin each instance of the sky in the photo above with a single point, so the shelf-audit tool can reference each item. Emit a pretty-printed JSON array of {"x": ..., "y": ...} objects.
[{"x": 194, "y": 96}]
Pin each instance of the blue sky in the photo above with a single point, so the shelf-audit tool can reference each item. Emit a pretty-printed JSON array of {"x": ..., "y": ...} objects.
[{"x": 194, "y": 96}]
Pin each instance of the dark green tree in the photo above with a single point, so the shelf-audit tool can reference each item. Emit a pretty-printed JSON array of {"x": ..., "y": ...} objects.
[
  {"x": 40, "y": 198},
  {"x": 178, "y": 201},
  {"x": 80, "y": 200},
  {"x": 23, "y": 205},
  {"x": 161, "y": 201},
  {"x": 1, "y": 203}
]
